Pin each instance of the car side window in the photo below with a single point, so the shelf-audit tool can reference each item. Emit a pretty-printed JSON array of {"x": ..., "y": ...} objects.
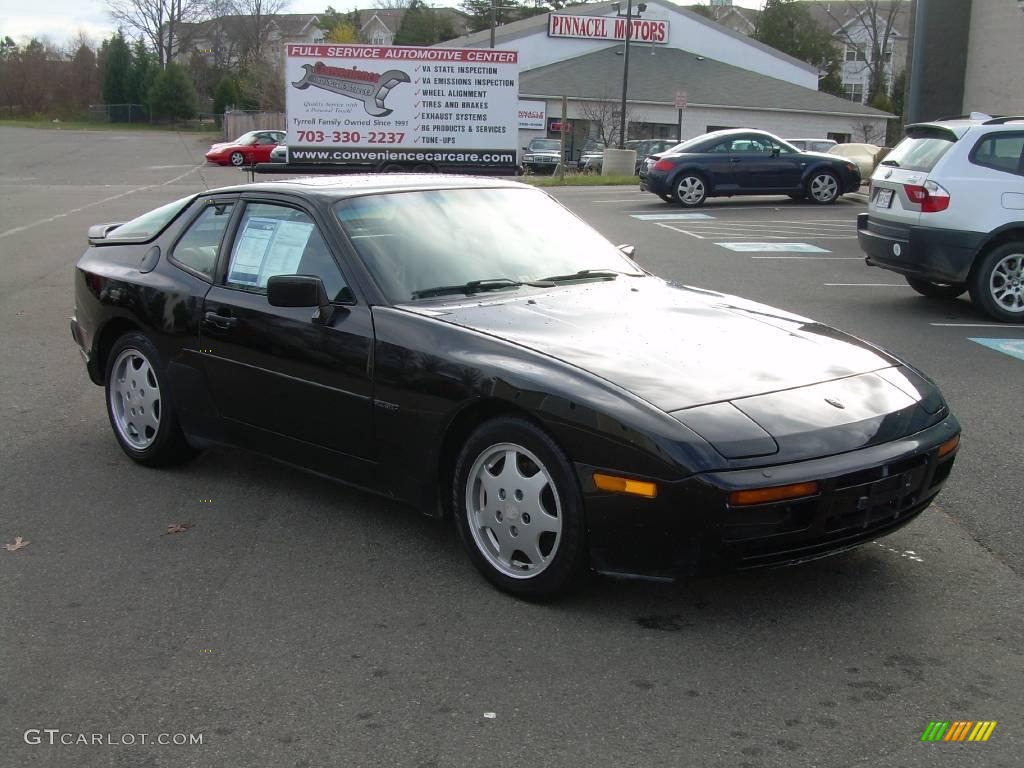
[
  {"x": 725, "y": 146},
  {"x": 275, "y": 239},
  {"x": 197, "y": 249},
  {"x": 1002, "y": 151}
]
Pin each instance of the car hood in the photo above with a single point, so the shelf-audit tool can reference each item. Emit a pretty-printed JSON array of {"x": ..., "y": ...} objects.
[{"x": 674, "y": 346}]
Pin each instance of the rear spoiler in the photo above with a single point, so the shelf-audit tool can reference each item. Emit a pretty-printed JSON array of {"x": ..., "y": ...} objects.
[
  {"x": 916, "y": 130},
  {"x": 98, "y": 232}
]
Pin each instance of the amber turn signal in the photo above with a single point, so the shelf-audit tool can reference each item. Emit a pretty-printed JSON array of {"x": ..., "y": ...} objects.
[
  {"x": 616, "y": 484},
  {"x": 949, "y": 446},
  {"x": 768, "y": 495}
]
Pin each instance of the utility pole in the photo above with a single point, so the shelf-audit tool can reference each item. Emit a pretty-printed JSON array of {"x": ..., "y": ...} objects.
[
  {"x": 494, "y": 19},
  {"x": 641, "y": 7}
]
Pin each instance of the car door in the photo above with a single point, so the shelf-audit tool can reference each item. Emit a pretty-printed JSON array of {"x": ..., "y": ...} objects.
[
  {"x": 719, "y": 164},
  {"x": 276, "y": 376},
  {"x": 265, "y": 144},
  {"x": 757, "y": 166}
]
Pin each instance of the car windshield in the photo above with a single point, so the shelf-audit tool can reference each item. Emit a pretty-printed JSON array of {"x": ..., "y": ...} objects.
[
  {"x": 540, "y": 144},
  {"x": 148, "y": 224},
  {"x": 413, "y": 242}
]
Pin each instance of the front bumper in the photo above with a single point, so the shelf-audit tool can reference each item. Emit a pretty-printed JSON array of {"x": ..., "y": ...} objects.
[
  {"x": 938, "y": 255},
  {"x": 690, "y": 527}
]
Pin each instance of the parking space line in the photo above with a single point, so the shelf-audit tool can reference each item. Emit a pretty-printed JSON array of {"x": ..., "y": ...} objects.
[
  {"x": 825, "y": 258},
  {"x": 977, "y": 325},
  {"x": 670, "y": 216},
  {"x": 627, "y": 200},
  {"x": 93, "y": 204},
  {"x": 868, "y": 285},
  {"x": 1012, "y": 347},
  {"x": 676, "y": 229}
]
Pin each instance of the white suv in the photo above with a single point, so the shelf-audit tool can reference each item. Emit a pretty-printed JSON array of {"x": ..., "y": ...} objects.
[{"x": 946, "y": 211}]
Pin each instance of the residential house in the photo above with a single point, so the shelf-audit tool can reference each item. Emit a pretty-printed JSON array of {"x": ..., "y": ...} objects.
[{"x": 224, "y": 40}]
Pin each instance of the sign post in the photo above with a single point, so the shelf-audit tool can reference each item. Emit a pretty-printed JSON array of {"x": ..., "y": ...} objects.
[{"x": 680, "y": 106}]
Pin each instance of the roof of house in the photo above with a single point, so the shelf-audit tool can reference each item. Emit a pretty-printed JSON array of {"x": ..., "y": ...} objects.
[
  {"x": 722, "y": 13},
  {"x": 392, "y": 17},
  {"x": 655, "y": 74},
  {"x": 288, "y": 24},
  {"x": 534, "y": 24}
]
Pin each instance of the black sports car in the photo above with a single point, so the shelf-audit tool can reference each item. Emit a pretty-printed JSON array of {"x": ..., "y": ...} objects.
[
  {"x": 471, "y": 347},
  {"x": 745, "y": 162}
]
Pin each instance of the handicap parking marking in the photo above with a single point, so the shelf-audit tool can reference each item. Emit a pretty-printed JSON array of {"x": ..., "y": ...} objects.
[
  {"x": 773, "y": 247},
  {"x": 670, "y": 216},
  {"x": 1011, "y": 347}
]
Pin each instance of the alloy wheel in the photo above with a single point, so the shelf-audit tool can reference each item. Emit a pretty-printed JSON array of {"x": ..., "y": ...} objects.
[
  {"x": 135, "y": 399},
  {"x": 691, "y": 190},
  {"x": 1006, "y": 283},
  {"x": 514, "y": 510},
  {"x": 237, "y": 159},
  {"x": 824, "y": 188}
]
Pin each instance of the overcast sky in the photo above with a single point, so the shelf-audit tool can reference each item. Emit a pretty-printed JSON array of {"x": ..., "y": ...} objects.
[{"x": 61, "y": 20}]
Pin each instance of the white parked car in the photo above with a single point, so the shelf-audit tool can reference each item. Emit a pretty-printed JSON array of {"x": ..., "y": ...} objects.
[
  {"x": 861, "y": 154},
  {"x": 946, "y": 211}
]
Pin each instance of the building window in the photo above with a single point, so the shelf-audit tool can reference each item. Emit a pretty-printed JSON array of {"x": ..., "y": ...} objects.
[
  {"x": 856, "y": 53},
  {"x": 842, "y": 138},
  {"x": 854, "y": 92}
]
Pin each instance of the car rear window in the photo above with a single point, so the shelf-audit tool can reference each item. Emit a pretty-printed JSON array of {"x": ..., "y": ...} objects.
[
  {"x": 921, "y": 152},
  {"x": 149, "y": 224}
]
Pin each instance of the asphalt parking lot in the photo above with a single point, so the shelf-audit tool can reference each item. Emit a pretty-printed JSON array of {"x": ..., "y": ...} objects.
[{"x": 299, "y": 623}]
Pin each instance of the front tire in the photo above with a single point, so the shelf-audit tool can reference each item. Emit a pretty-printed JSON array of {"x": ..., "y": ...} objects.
[
  {"x": 139, "y": 404},
  {"x": 936, "y": 290},
  {"x": 691, "y": 190},
  {"x": 237, "y": 159},
  {"x": 519, "y": 510},
  {"x": 997, "y": 283},
  {"x": 823, "y": 188}
]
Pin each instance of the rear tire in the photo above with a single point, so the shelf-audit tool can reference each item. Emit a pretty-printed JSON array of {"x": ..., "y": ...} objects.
[
  {"x": 936, "y": 290},
  {"x": 691, "y": 190},
  {"x": 997, "y": 282},
  {"x": 140, "y": 404},
  {"x": 519, "y": 510}
]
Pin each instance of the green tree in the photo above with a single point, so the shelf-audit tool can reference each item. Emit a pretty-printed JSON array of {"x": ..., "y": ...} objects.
[
  {"x": 226, "y": 95},
  {"x": 422, "y": 25},
  {"x": 479, "y": 11},
  {"x": 788, "y": 26},
  {"x": 703, "y": 10},
  {"x": 172, "y": 95},
  {"x": 141, "y": 75},
  {"x": 117, "y": 68}
]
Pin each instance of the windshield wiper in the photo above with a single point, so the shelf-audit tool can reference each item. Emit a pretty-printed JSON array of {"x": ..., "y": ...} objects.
[
  {"x": 584, "y": 274},
  {"x": 473, "y": 286},
  {"x": 893, "y": 163}
]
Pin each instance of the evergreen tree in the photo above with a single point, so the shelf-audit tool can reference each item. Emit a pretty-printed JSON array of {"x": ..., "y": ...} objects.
[
  {"x": 788, "y": 26},
  {"x": 117, "y": 76},
  {"x": 172, "y": 95},
  {"x": 422, "y": 25},
  {"x": 225, "y": 95},
  {"x": 143, "y": 72}
]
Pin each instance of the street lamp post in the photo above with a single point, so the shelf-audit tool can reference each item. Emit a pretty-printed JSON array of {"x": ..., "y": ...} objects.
[{"x": 640, "y": 8}]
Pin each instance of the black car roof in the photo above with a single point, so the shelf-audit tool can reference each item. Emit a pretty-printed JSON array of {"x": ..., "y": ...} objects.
[{"x": 351, "y": 185}]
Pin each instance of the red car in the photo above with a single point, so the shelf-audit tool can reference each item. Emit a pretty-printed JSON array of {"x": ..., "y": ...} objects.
[{"x": 251, "y": 147}]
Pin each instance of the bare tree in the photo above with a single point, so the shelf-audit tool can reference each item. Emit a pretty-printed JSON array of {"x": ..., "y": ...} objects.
[
  {"x": 871, "y": 133},
  {"x": 161, "y": 23},
  {"x": 256, "y": 24},
  {"x": 869, "y": 27},
  {"x": 604, "y": 119}
]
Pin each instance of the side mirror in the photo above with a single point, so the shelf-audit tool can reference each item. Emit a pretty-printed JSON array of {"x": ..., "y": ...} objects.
[
  {"x": 628, "y": 250},
  {"x": 776, "y": 151},
  {"x": 301, "y": 291}
]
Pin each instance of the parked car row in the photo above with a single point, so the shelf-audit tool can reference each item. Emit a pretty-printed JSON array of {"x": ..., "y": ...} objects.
[{"x": 249, "y": 148}]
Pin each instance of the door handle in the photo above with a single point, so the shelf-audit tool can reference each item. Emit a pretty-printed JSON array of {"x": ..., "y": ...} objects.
[
  {"x": 734, "y": 159},
  {"x": 221, "y": 321}
]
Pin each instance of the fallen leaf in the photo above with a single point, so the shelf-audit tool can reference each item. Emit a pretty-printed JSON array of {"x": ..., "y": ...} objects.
[
  {"x": 19, "y": 543},
  {"x": 178, "y": 527}
]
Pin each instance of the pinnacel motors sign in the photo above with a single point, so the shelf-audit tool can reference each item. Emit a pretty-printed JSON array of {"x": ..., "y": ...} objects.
[{"x": 607, "y": 28}]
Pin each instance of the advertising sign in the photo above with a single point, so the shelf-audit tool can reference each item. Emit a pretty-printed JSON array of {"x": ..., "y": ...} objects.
[
  {"x": 532, "y": 115},
  {"x": 366, "y": 103},
  {"x": 607, "y": 28}
]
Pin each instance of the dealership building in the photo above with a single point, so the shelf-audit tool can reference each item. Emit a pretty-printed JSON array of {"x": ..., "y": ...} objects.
[{"x": 678, "y": 61}]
